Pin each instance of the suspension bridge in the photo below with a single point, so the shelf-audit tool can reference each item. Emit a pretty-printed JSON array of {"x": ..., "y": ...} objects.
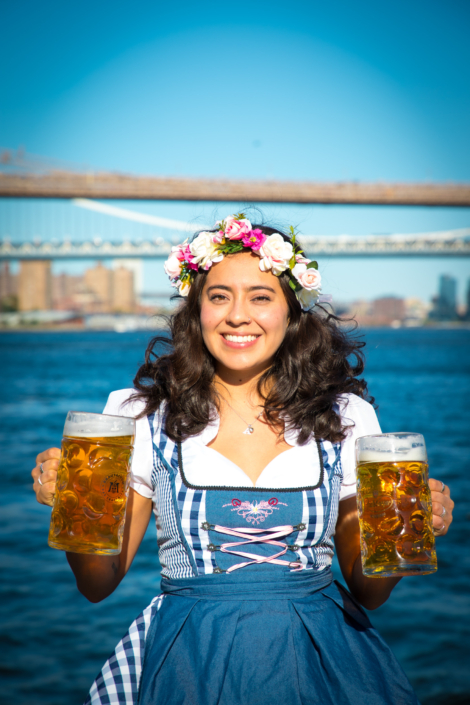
[{"x": 452, "y": 243}]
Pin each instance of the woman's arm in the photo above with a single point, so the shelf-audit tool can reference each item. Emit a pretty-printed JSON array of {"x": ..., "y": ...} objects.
[
  {"x": 96, "y": 576},
  {"x": 369, "y": 592},
  {"x": 373, "y": 592}
]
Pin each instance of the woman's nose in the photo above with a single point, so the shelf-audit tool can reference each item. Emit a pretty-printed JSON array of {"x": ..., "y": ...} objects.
[{"x": 238, "y": 314}]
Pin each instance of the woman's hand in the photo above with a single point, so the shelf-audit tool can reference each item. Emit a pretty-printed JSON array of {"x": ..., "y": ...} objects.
[
  {"x": 442, "y": 506},
  {"x": 45, "y": 475}
]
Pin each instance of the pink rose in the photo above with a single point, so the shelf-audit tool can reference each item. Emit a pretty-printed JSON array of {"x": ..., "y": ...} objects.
[
  {"x": 173, "y": 264},
  {"x": 189, "y": 259},
  {"x": 236, "y": 229},
  {"x": 300, "y": 259},
  {"x": 309, "y": 279},
  {"x": 255, "y": 239}
]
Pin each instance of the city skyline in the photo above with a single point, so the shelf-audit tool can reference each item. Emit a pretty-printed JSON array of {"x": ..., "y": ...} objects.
[
  {"x": 117, "y": 290},
  {"x": 338, "y": 276}
]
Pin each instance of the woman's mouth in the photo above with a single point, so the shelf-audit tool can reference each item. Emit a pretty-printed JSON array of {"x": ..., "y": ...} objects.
[{"x": 238, "y": 341}]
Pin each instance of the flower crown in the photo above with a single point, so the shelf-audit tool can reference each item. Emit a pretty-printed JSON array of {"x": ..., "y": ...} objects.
[{"x": 236, "y": 234}]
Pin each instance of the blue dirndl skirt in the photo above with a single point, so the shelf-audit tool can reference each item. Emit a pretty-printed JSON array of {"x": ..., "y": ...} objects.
[{"x": 252, "y": 639}]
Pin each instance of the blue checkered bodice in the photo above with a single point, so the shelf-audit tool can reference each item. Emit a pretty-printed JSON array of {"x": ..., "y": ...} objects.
[{"x": 187, "y": 513}]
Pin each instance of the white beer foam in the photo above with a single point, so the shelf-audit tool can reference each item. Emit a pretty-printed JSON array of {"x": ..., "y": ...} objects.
[
  {"x": 391, "y": 449},
  {"x": 417, "y": 455},
  {"x": 83, "y": 425}
]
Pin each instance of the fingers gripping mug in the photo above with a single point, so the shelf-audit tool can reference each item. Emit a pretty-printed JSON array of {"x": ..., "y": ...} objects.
[
  {"x": 394, "y": 505},
  {"x": 92, "y": 484}
]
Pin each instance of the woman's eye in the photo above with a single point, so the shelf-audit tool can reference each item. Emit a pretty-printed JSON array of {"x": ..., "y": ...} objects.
[
  {"x": 217, "y": 297},
  {"x": 262, "y": 298}
]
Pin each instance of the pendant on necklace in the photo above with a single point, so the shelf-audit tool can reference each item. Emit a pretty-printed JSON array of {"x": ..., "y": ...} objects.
[{"x": 249, "y": 430}]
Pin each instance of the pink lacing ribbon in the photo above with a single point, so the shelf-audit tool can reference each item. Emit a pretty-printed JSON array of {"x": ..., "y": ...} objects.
[{"x": 252, "y": 536}]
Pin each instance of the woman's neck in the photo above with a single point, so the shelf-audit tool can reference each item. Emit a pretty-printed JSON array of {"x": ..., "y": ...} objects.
[{"x": 238, "y": 387}]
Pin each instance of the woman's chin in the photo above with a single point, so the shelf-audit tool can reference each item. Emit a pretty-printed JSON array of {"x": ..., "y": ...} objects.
[{"x": 242, "y": 365}]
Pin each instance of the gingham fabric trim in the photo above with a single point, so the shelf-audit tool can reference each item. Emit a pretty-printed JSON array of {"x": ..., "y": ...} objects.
[
  {"x": 174, "y": 552},
  {"x": 320, "y": 511},
  {"x": 192, "y": 509},
  {"x": 118, "y": 680}
]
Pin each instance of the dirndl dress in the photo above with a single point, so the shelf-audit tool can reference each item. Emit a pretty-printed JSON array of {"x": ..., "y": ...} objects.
[{"x": 248, "y": 611}]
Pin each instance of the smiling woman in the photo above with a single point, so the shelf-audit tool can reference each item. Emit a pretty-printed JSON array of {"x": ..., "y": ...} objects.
[{"x": 245, "y": 451}]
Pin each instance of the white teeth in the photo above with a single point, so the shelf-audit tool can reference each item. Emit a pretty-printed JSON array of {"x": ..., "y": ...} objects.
[{"x": 240, "y": 338}]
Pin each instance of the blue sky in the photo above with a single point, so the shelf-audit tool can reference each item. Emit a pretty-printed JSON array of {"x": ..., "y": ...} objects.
[{"x": 301, "y": 90}]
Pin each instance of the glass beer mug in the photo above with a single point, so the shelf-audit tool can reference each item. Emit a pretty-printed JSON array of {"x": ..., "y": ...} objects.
[
  {"x": 394, "y": 505},
  {"x": 92, "y": 484}
]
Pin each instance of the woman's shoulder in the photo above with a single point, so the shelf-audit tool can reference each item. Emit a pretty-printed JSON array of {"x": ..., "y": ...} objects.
[
  {"x": 360, "y": 413},
  {"x": 120, "y": 403},
  {"x": 352, "y": 406}
]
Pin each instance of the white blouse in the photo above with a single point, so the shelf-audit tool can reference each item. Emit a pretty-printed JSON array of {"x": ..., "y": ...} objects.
[{"x": 296, "y": 467}]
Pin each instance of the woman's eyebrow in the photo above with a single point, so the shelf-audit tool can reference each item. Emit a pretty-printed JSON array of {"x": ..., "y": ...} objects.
[{"x": 251, "y": 288}]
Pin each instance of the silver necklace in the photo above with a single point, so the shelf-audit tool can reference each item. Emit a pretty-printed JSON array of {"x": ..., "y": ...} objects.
[{"x": 249, "y": 428}]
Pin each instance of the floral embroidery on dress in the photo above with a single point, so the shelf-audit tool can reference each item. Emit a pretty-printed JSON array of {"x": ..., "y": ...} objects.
[{"x": 254, "y": 512}]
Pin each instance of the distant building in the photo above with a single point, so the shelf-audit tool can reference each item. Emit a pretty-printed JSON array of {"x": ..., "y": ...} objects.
[
  {"x": 136, "y": 266},
  {"x": 8, "y": 281},
  {"x": 123, "y": 294},
  {"x": 416, "y": 312},
  {"x": 8, "y": 288},
  {"x": 65, "y": 291},
  {"x": 35, "y": 285},
  {"x": 98, "y": 280},
  {"x": 445, "y": 303},
  {"x": 388, "y": 309}
]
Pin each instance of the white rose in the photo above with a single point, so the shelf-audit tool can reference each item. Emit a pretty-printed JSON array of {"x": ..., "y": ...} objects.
[
  {"x": 173, "y": 265},
  {"x": 183, "y": 287},
  {"x": 205, "y": 251},
  {"x": 307, "y": 299},
  {"x": 275, "y": 254},
  {"x": 309, "y": 279}
]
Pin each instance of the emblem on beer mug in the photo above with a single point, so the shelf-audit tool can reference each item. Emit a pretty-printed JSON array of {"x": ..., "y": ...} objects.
[{"x": 113, "y": 487}]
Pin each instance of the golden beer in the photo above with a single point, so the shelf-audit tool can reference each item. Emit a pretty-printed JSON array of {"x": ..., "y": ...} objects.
[
  {"x": 92, "y": 487},
  {"x": 394, "y": 507}
]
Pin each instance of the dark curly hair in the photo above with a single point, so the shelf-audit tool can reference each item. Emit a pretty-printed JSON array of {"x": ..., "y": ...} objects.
[{"x": 316, "y": 362}]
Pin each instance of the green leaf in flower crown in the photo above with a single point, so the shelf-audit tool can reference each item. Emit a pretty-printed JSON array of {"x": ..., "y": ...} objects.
[
  {"x": 231, "y": 246},
  {"x": 312, "y": 265},
  {"x": 239, "y": 216},
  {"x": 294, "y": 284},
  {"x": 292, "y": 262},
  {"x": 292, "y": 235}
]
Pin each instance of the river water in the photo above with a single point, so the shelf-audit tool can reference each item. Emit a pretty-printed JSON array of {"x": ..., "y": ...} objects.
[{"x": 54, "y": 642}]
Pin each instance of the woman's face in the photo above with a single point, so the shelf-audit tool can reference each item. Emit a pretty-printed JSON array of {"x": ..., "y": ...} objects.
[{"x": 244, "y": 314}]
